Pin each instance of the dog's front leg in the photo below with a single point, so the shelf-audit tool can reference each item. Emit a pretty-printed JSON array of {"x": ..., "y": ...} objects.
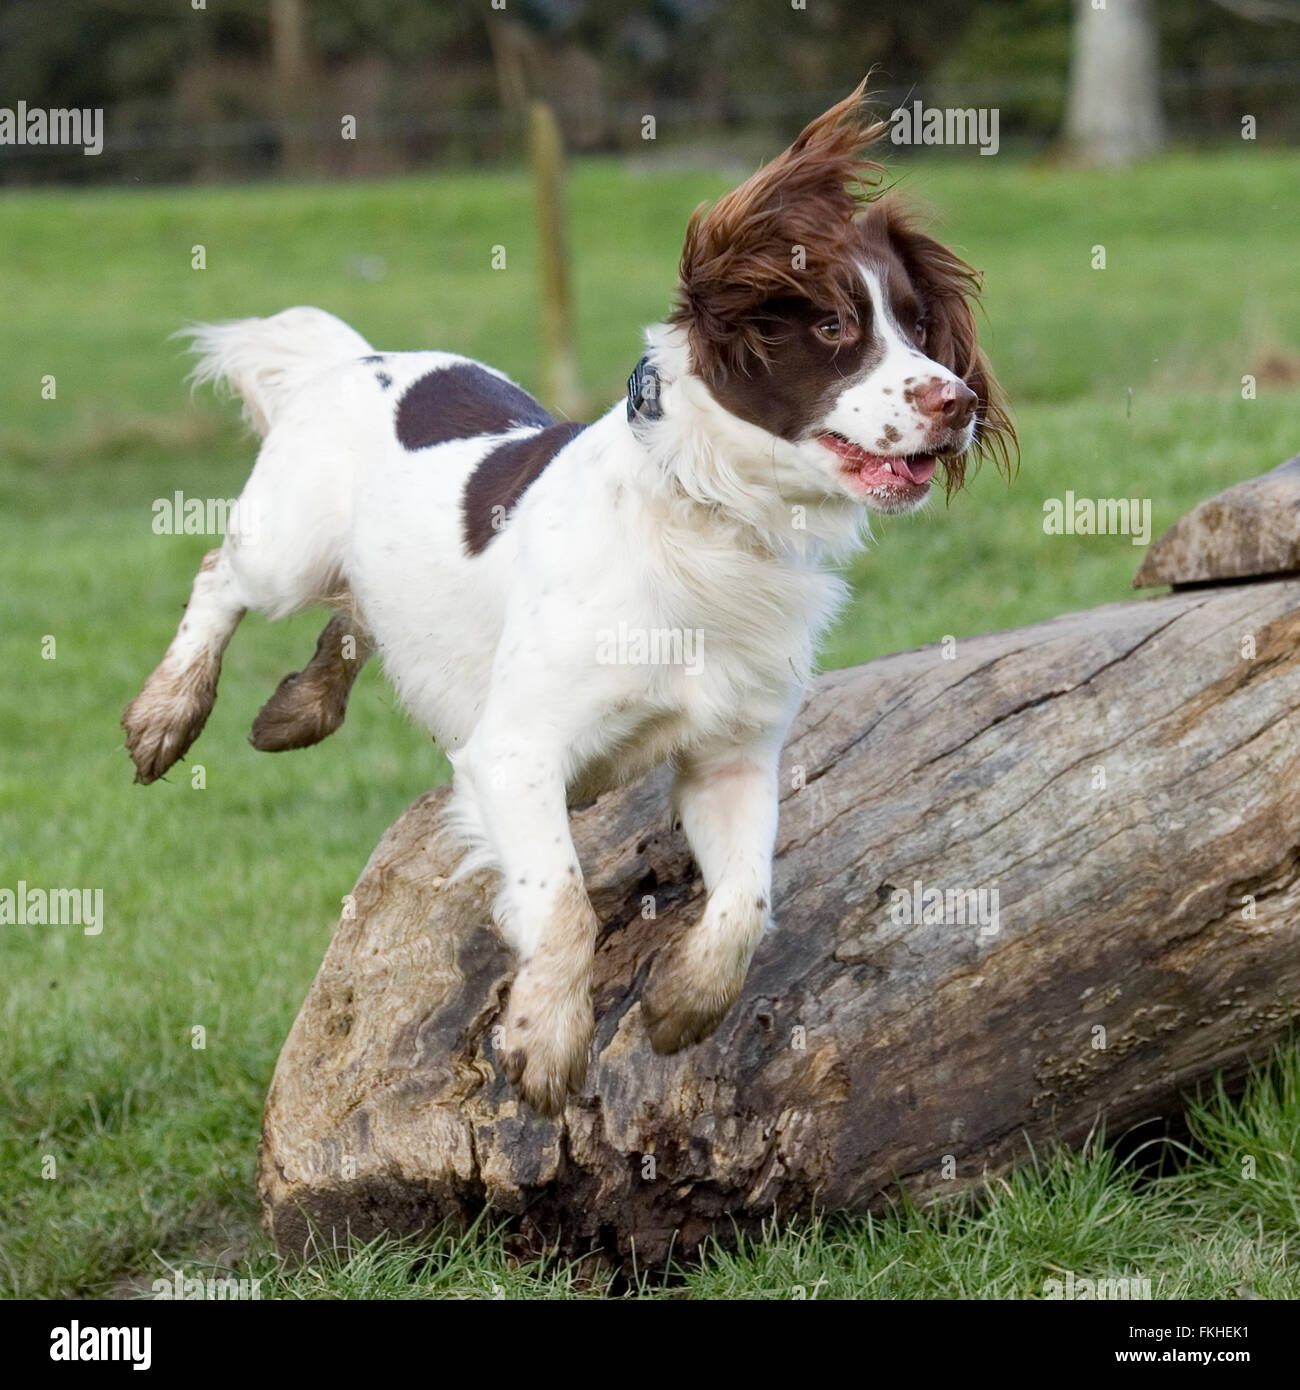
[
  {"x": 726, "y": 799},
  {"x": 515, "y": 787}
]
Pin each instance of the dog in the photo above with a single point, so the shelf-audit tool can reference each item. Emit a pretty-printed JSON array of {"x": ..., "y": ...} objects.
[{"x": 820, "y": 363}]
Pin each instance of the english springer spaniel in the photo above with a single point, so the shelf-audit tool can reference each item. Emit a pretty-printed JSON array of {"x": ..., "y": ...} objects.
[{"x": 533, "y": 584}]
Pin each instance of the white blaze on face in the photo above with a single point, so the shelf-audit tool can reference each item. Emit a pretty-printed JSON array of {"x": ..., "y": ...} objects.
[{"x": 876, "y": 410}]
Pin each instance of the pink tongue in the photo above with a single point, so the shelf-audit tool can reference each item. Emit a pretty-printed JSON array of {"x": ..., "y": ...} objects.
[{"x": 917, "y": 472}]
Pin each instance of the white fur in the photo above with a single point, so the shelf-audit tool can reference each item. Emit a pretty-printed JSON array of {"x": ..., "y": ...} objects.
[{"x": 265, "y": 360}]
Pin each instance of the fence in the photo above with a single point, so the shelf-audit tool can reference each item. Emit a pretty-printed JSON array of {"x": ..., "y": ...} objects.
[{"x": 146, "y": 142}]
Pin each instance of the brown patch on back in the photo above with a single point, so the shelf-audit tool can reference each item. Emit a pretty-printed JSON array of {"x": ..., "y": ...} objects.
[
  {"x": 502, "y": 478},
  {"x": 308, "y": 705},
  {"x": 461, "y": 401}
]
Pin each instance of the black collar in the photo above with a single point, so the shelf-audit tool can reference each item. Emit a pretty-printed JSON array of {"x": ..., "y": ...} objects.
[{"x": 643, "y": 393}]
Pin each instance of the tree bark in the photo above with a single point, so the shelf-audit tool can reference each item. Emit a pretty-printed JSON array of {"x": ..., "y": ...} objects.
[{"x": 1125, "y": 779}]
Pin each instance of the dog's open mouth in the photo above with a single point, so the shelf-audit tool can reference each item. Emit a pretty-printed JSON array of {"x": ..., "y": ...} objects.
[{"x": 901, "y": 475}]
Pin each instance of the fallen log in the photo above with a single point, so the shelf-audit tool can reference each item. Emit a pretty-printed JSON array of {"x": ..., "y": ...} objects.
[
  {"x": 1023, "y": 882},
  {"x": 1245, "y": 532}
]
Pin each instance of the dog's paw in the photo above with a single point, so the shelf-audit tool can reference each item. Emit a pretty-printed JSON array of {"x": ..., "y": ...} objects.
[
  {"x": 305, "y": 709},
  {"x": 168, "y": 714},
  {"x": 546, "y": 1040},
  {"x": 682, "y": 1004}
]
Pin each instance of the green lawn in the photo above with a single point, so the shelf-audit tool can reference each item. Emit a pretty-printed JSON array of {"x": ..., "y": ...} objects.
[{"x": 219, "y": 900}]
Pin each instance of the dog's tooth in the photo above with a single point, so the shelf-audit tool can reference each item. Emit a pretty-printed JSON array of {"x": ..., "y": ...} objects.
[{"x": 889, "y": 467}]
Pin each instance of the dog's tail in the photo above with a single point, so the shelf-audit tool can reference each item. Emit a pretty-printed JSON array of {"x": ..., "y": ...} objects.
[{"x": 264, "y": 361}]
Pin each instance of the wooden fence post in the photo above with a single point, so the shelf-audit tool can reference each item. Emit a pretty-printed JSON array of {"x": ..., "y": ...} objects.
[{"x": 546, "y": 153}]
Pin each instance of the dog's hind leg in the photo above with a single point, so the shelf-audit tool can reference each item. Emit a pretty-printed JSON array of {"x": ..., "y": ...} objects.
[
  {"x": 308, "y": 705},
  {"x": 172, "y": 707}
]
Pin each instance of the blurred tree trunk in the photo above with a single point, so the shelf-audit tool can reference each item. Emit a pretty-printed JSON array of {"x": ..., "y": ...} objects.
[
  {"x": 510, "y": 45},
  {"x": 289, "y": 68},
  {"x": 1112, "y": 114}
]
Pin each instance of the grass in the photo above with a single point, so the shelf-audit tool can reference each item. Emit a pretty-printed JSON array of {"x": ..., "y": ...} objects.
[{"x": 219, "y": 898}]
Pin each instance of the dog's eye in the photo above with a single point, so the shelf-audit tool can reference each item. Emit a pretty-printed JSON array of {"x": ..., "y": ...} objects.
[{"x": 832, "y": 331}]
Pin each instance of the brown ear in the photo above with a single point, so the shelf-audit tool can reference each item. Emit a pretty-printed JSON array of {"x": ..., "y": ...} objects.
[
  {"x": 787, "y": 230},
  {"x": 950, "y": 290}
]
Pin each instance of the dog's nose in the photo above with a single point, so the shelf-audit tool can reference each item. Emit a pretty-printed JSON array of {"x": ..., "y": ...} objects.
[{"x": 948, "y": 401}]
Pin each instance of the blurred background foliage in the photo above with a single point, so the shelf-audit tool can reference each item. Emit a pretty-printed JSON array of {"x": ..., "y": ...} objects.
[{"x": 244, "y": 88}]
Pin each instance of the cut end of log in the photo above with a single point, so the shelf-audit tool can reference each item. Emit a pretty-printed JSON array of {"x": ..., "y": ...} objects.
[{"x": 1250, "y": 531}]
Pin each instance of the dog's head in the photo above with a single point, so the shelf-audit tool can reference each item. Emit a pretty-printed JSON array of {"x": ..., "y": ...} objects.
[{"x": 817, "y": 311}]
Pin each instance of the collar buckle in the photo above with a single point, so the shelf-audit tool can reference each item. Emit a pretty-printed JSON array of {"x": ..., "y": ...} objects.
[{"x": 643, "y": 391}]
